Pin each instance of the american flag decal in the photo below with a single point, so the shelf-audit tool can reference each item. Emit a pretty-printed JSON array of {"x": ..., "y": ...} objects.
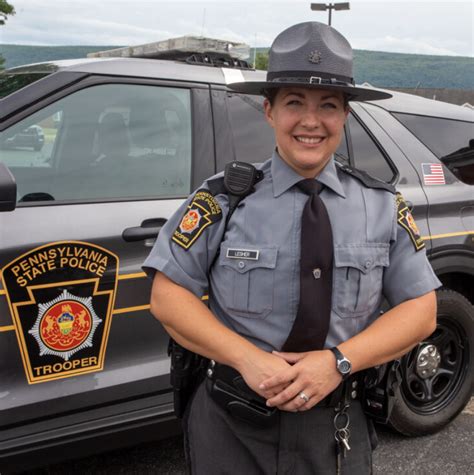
[{"x": 433, "y": 174}]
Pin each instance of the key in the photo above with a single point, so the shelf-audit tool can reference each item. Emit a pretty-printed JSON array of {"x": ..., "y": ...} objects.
[
  {"x": 345, "y": 442},
  {"x": 342, "y": 437},
  {"x": 338, "y": 457}
]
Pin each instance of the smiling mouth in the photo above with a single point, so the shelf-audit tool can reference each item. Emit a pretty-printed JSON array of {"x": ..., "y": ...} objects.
[{"x": 309, "y": 140}]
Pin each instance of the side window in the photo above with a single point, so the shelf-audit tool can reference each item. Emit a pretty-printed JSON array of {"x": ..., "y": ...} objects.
[
  {"x": 452, "y": 141},
  {"x": 111, "y": 141},
  {"x": 30, "y": 146},
  {"x": 254, "y": 139},
  {"x": 366, "y": 155}
]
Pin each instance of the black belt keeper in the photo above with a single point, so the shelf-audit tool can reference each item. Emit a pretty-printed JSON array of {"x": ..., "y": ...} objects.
[{"x": 228, "y": 390}]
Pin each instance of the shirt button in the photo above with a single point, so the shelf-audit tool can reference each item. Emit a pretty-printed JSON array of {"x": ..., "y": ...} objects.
[
  {"x": 241, "y": 264},
  {"x": 317, "y": 273},
  {"x": 368, "y": 264}
]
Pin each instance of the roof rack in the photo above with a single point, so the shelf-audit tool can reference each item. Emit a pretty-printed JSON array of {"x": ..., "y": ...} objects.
[{"x": 190, "y": 49}]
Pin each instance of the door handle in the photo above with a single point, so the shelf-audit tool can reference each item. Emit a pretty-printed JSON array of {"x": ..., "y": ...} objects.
[{"x": 149, "y": 229}]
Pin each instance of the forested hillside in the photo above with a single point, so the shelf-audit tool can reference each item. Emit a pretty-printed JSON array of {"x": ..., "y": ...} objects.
[
  {"x": 17, "y": 55},
  {"x": 378, "y": 68}
]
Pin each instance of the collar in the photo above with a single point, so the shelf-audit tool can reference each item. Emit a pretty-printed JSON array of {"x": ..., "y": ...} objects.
[{"x": 284, "y": 177}]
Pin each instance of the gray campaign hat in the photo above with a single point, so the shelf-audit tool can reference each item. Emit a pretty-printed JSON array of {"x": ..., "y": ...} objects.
[{"x": 314, "y": 55}]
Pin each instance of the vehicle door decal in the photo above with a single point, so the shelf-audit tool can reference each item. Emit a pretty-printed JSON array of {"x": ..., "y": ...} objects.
[
  {"x": 433, "y": 174},
  {"x": 61, "y": 297}
]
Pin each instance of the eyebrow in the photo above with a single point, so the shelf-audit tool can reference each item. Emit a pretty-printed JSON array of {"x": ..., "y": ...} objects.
[
  {"x": 292, "y": 93},
  {"x": 323, "y": 98},
  {"x": 330, "y": 96}
]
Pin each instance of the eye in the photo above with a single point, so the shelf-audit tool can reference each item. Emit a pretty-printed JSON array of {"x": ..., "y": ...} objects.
[
  {"x": 329, "y": 105},
  {"x": 292, "y": 102}
]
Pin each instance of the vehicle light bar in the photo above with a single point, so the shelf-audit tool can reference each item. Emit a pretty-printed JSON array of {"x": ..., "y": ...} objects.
[{"x": 176, "y": 48}]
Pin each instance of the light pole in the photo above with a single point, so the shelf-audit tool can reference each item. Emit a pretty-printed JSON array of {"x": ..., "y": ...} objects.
[{"x": 330, "y": 6}]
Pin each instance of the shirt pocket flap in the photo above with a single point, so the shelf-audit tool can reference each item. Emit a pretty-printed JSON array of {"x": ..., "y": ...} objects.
[
  {"x": 363, "y": 257},
  {"x": 243, "y": 258}
]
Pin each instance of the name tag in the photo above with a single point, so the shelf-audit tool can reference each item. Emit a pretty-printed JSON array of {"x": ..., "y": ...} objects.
[{"x": 242, "y": 254}]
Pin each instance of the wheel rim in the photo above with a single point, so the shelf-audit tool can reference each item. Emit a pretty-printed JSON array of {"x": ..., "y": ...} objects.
[{"x": 433, "y": 372}]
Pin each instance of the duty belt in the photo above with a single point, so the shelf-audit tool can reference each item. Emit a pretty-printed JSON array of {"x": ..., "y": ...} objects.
[{"x": 228, "y": 389}]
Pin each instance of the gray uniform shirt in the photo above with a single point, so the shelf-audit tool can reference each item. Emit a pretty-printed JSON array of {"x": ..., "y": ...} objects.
[{"x": 256, "y": 292}]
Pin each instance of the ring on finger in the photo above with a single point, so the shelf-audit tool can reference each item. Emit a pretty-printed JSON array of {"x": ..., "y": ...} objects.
[{"x": 303, "y": 396}]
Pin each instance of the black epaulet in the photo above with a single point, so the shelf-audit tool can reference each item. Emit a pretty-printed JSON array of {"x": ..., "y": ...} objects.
[
  {"x": 216, "y": 185},
  {"x": 367, "y": 180}
]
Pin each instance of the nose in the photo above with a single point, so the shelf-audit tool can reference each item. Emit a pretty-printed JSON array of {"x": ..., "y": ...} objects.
[{"x": 311, "y": 118}]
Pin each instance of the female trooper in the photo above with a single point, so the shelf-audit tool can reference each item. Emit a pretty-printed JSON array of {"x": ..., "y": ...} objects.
[{"x": 296, "y": 278}]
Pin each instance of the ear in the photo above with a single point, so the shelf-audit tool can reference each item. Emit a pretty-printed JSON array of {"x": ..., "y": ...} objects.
[{"x": 268, "y": 112}]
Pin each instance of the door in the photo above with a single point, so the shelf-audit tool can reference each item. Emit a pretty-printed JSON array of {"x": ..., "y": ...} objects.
[{"x": 114, "y": 162}]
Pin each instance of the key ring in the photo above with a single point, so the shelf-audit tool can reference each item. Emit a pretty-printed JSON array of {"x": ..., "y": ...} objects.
[
  {"x": 341, "y": 419},
  {"x": 342, "y": 434}
]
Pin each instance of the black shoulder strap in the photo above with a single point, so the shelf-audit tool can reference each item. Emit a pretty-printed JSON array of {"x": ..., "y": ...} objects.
[
  {"x": 367, "y": 180},
  {"x": 237, "y": 182},
  {"x": 216, "y": 186}
]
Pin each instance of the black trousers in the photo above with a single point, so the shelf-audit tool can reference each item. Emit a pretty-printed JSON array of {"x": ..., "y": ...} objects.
[{"x": 298, "y": 443}]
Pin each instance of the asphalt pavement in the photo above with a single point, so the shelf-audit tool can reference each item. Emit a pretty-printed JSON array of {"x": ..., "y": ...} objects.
[{"x": 448, "y": 452}]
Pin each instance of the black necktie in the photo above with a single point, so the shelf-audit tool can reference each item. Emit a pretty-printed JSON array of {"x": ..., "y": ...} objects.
[{"x": 316, "y": 260}]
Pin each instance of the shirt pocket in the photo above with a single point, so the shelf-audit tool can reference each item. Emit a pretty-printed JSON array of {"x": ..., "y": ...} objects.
[
  {"x": 358, "y": 278},
  {"x": 247, "y": 285}
]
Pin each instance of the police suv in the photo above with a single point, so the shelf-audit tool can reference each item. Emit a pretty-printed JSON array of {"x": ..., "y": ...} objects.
[{"x": 83, "y": 365}]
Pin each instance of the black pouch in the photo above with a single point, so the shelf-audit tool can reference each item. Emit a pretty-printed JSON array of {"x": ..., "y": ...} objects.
[
  {"x": 379, "y": 391},
  {"x": 186, "y": 372},
  {"x": 232, "y": 394}
]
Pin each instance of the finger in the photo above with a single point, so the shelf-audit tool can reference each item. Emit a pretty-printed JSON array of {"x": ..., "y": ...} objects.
[
  {"x": 285, "y": 396},
  {"x": 268, "y": 394},
  {"x": 291, "y": 358},
  {"x": 309, "y": 405},
  {"x": 296, "y": 404},
  {"x": 283, "y": 378}
]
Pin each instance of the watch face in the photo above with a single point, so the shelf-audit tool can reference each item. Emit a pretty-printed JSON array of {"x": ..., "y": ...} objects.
[{"x": 344, "y": 366}]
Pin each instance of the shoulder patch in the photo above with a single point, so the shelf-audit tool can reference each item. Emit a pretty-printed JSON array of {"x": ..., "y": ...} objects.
[
  {"x": 203, "y": 211},
  {"x": 367, "y": 180},
  {"x": 407, "y": 222}
]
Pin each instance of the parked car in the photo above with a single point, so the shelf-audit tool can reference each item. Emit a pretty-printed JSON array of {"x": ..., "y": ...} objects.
[
  {"x": 32, "y": 137},
  {"x": 83, "y": 364}
]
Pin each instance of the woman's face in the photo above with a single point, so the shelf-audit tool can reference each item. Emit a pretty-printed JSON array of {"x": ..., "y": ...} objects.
[{"x": 308, "y": 126}]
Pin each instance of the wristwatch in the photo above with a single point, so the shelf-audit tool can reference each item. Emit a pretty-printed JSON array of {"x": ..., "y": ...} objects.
[{"x": 343, "y": 365}]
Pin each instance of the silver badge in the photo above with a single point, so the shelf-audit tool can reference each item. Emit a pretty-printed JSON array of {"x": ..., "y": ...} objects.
[{"x": 314, "y": 57}]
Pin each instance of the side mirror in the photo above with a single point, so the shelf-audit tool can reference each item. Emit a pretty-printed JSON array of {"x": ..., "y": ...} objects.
[{"x": 7, "y": 189}]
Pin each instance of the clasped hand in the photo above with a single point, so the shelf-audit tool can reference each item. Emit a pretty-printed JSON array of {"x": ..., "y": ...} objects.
[{"x": 312, "y": 374}]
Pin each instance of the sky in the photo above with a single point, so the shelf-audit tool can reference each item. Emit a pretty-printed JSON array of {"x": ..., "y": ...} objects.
[{"x": 422, "y": 27}]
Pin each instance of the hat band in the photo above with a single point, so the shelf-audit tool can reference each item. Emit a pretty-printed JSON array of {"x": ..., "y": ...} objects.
[{"x": 309, "y": 77}]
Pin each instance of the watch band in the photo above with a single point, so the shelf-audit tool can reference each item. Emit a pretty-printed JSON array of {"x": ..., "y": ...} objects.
[
  {"x": 339, "y": 356},
  {"x": 343, "y": 365}
]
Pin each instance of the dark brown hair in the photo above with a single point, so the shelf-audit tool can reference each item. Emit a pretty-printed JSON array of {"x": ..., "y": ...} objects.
[{"x": 271, "y": 94}]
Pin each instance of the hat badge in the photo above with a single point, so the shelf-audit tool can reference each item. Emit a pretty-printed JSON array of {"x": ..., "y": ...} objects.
[{"x": 314, "y": 57}]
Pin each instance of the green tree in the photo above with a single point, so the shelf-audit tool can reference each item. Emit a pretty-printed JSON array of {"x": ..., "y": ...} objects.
[
  {"x": 261, "y": 61},
  {"x": 5, "y": 10}
]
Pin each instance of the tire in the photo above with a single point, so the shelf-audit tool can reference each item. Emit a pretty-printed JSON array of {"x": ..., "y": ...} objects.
[{"x": 426, "y": 403}]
